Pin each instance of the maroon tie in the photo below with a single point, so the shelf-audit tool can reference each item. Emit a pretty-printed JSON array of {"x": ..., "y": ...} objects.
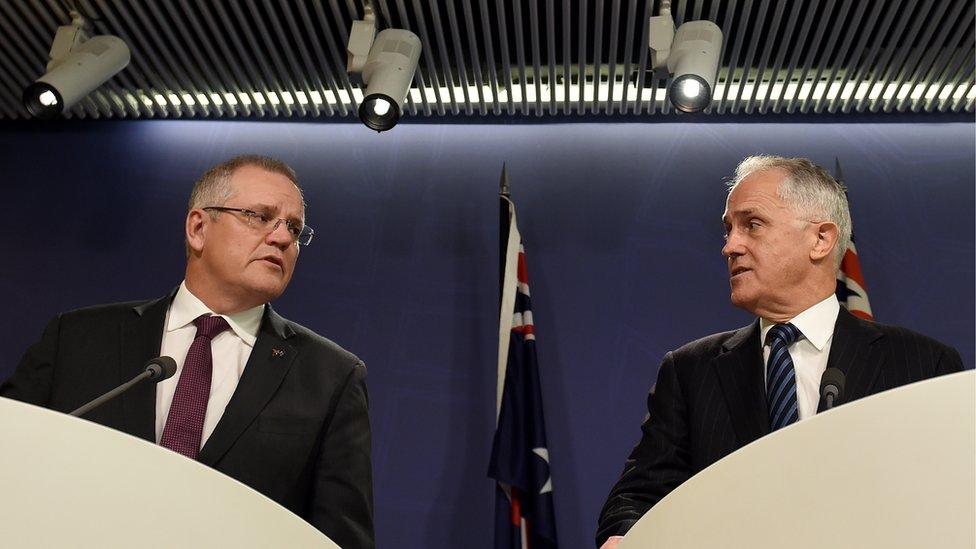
[{"x": 184, "y": 424}]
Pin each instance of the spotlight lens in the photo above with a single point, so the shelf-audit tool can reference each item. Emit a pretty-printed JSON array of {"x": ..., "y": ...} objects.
[
  {"x": 380, "y": 106},
  {"x": 690, "y": 87},
  {"x": 379, "y": 112},
  {"x": 689, "y": 93},
  {"x": 47, "y": 98},
  {"x": 42, "y": 100}
]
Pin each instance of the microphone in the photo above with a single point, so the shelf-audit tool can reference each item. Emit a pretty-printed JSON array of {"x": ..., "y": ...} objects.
[
  {"x": 831, "y": 387},
  {"x": 156, "y": 370}
]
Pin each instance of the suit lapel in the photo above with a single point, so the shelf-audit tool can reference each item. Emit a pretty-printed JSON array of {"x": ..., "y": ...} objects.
[
  {"x": 141, "y": 337},
  {"x": 740, "y": 373},
  {"x": 852, "y": 352},
  {"x": 270, "y": 360}
]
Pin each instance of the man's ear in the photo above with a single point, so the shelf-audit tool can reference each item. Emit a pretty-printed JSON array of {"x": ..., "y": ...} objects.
[
  {"x": 197, "y": 223},
  {"x": 826, "y": 243}
]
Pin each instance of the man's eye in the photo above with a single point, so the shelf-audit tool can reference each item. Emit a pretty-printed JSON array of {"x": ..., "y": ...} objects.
[{"x": 294, "y": 230}]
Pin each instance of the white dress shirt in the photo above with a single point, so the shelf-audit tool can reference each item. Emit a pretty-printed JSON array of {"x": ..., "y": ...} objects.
[
  {"x": 810, "y": 352},
  {"x": 230, "y": 350}
]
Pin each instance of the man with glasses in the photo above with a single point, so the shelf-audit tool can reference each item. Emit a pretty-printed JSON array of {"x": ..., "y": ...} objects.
[{"x": 255, "y": 396}]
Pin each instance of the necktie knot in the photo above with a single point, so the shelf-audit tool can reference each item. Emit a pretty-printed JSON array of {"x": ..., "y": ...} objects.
[
  {"x": 785, "y": 334},
  {"x": 210, "y": 326}
]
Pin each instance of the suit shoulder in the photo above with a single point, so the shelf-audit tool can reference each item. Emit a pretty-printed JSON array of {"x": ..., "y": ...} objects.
[
  {"x": 708, "y": 345},
  {"x": 904, "y": 336},
  {"x": 323, "y": 345},
  {"x": 103, "y": 311}
]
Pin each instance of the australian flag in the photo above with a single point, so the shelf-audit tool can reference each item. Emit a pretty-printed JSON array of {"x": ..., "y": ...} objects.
[
  {"x": 524, "y": 516},
  {"x": 851, "y": 292}
]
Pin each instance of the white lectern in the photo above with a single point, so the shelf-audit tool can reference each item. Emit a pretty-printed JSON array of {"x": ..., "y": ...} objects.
[
  {"x": 67, "y": 482},
  {"x": 894, "y": 470}
]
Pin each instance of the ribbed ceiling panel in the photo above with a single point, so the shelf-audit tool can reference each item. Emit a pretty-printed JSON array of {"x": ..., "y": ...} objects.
[{"x": 484, "y": 58}]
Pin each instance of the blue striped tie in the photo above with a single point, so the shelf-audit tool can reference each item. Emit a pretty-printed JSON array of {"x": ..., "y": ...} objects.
[{"x": 780, "y": 377}]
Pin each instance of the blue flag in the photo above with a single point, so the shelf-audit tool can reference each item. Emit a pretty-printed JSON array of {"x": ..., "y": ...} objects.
[{"x": 524, "y": 516}]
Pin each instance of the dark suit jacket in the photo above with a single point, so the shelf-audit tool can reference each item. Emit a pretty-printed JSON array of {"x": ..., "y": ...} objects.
[
  {"x": 710, "y": 400},
  {"x": 296, "y": 428}
]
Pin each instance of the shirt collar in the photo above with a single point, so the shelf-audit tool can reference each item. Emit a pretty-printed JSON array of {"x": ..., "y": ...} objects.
[
  {"x": 816, "y": 323},
  {"x": 186, "y": 307}
]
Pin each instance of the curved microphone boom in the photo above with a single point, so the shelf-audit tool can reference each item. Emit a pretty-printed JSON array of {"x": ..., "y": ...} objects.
[
  {"x": 156, "y": 370},
  {"x": 831, "y": 387}
]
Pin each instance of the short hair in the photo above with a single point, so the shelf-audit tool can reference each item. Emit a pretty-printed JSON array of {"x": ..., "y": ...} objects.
[
  {"x": 808, "y": 189},
  {"x": 214, "y": 188}
]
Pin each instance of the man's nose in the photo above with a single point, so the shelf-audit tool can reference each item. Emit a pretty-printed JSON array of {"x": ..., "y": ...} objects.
[{"x": 733, "y": 245}]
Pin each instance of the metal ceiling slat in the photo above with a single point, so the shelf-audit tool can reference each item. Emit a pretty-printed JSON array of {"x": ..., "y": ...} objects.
[
  {"x": 882, "y": 70},
  {"x": 839, "y": 59},
  {"x": 628, "y": 55},
  {"x": 954, "y": 54},
  {"x": 612, "y": 55},
  {"x": 536, "y": 55},
  {"x": 952, "y": 67},
  {"x": 436, "y": 75},
  {"x": 307, "y": 78},
  {"x": 764, "y": 105},
  {"x": 479, "y": 80},
  {"x": 240, "y": 81},
  {"x": 144, "y": 60},
  {"x": 252, "y": 82},
  {"x": 490, "y": 52},
  {"x": 698, "y": 5},
  {"x": 185, "y": 43},
  {"x": 723, "y": 75},
  {"x": 551, "y": 53},
  {"x": 338, "y": 60},
  {"x": 642, "y": 59},
  {"x": 904, "y": 56},
  {"x": 320, "y": 64},
  {"x": 506, "y": 60},
  {"x": 182, "y": 82},
  {"x": 814, "y": 46},
  {"x": 963, "y": 102},
  {"x": 834, "y": 59},
  {"x": 738, "y": 33},
  {"x": 756, "y": 31},
  {"x": 309, "y": 64},
  {"x": 567, "y": 17},
  {"x": 427, "y": 66},
  {"x": 520, "y": 57},
  {"x": 276, "y": 72},
  {"x": 958, "y": 80},
  {"x": 868, "y": 72},
  {"x": 910, "y": 60},
  {"x": 928, "y": 56},
  {"x": 458, "y": 48},
  {"x": 764, "y": 57},
  {"x": 597, "y": 56},
  {"x": 895, "y": 56},
  {"x": 855, "y": 66},
  {"x": 264, "y": 80},
  {"x": 581, "y": 60}
]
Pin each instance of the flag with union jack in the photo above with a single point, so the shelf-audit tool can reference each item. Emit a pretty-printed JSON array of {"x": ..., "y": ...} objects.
[
  {"x": 524, "y": 516},
  {"x": 851, "y": 292}
]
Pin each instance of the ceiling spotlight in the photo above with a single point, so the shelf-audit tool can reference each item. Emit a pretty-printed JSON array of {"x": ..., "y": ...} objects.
[
  {"x": 78, "y": 64},
  {"x": 387, "y": 64},
  {"x": 690, "y": 56}
]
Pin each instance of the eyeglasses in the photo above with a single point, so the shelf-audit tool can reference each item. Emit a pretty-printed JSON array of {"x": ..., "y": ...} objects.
[{"x": 300, "y": 234}]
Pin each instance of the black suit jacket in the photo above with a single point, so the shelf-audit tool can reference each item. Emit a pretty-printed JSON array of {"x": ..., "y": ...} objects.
[
  {"x": 296, "y": 429},
  {"x": 710, "y": 400}
]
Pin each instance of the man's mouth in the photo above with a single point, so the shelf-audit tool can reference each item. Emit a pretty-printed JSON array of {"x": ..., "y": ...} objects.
[
  {"x": 737, "y": 271},
  {"x": 275, "y": 260}
]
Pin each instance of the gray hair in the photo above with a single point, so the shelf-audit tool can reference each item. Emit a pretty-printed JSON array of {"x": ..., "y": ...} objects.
[
  {"x": 808, "y": 189},
  {"x": 214, "y": 188}
]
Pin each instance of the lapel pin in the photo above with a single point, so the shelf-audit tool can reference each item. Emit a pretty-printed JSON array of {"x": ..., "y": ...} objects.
[{"x": 277, "y": 353}]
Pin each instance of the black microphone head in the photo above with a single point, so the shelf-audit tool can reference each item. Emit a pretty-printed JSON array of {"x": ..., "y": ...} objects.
[
  {"x": 832, "y": 382},
  {"x": 160, "y": 368}
]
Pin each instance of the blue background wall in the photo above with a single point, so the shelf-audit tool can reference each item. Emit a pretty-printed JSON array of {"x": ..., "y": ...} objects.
[{"x": 622, "y": 229}]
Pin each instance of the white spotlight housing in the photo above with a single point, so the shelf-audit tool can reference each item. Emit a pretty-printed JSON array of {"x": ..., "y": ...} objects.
[
  {"x": 77, "y": 66},
  {"x": 693, "y": 62},
  {"x": 388, "y": 72}
]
